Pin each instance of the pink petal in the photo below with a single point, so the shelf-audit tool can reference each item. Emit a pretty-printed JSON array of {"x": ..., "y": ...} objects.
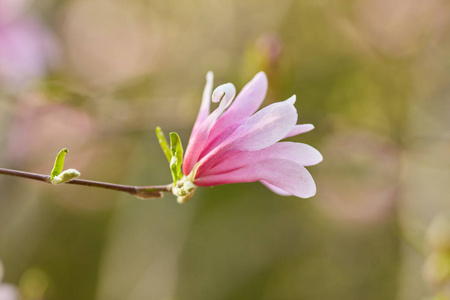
[
  {"x": 246, "y": 104},
  {"x": 266, "y": 127},
  {"x": 263, "y": 129},
  {"x": 218, "y": 139},
  {"x": 281, "y": 173},
  {"x": 298, "y": 129},
  {"x": 302, "y": 154},
  {"x": 206, "y": 100}
]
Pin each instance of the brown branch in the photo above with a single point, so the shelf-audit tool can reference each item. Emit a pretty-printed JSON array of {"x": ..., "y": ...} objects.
[{"x": 141, "y": 192}]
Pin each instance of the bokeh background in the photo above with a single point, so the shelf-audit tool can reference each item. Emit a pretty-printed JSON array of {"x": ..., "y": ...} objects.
[{"x": 97, "y": 77}]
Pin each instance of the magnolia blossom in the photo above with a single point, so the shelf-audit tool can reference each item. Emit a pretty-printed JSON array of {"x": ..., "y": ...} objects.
[
  {"x": 7, "y": 291},
  {"x": 26, "y": 47},
  {"x": 237, "y": 143}
]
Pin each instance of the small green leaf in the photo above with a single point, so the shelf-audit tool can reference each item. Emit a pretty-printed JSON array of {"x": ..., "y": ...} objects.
[
  {"x": 163, "y": 143},
  {"x": 177, "y": 157},
  {"x": 59, "y": 163}
]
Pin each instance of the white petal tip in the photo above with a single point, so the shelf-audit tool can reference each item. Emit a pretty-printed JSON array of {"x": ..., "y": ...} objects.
[
  {"x": 292, "y": 100},
  {"x": 209, "y": 76},
  {"x": 306, "y": 194},
  {"x": 306, "y": 127},
  {"x": 262, "y": 75},
  {"x": 217, "y": 96},
  {"x": 226, "y": 91},
  {"x": 320, "y": 158}
]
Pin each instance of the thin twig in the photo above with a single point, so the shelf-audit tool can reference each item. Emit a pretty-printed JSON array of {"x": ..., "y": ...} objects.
[{"x": 142, "y": 192}]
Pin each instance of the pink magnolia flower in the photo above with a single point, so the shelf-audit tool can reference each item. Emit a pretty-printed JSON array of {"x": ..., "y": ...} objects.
[{"x": 235, "y": 143}]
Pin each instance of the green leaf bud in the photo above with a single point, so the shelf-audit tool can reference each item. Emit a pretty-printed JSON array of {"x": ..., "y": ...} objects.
[
  {"x": 177, "y": 157},
  {"x": 59, "y": 163}
]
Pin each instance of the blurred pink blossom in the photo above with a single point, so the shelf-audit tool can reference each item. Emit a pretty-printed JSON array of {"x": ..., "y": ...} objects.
[
  {"x": 235, "y": 143},
  {"x": 397, "y": 28},
  {"x": 7, "y": 291},
  {"x": 39, "y": 127},
  {"x": 26, "y": 47},
  {"x": 11, "y": 9}
]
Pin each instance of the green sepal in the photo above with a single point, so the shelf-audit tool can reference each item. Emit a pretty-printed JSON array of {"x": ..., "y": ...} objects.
[
  {"x": 173, "y": 170},
  {"x": 59, "y": 163},
  {"x": 163, "y": 143},
  {"x": 176, "y": 150}
]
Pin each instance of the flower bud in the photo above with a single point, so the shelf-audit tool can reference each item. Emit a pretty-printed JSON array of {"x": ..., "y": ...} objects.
[
  {"x": 188, "y": 186},
  {"x": 184, "y": 193}
]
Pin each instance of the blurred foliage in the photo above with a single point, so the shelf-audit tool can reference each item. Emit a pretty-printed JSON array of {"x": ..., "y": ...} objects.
[{"x": 370, "y": 75}]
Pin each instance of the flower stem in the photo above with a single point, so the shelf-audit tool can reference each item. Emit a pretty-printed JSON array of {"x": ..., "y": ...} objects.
[{"x": 141, "y": 192}]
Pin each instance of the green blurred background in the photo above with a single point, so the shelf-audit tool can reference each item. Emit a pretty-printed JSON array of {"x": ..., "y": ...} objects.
[{"x": 372, "y": 76}]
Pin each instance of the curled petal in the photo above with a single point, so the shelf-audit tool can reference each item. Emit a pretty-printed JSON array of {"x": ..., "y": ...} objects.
[
  {"x": 246, "y": 103},
  {"x": 284, "y": 174},
  {"x": 225, "y": 94}
]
